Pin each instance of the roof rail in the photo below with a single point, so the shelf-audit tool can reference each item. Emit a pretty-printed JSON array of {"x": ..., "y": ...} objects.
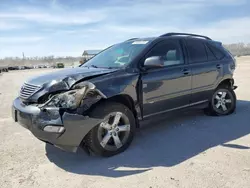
[
  {"x": 187, "y": 34},
  {"x": 131, "y": 39}
]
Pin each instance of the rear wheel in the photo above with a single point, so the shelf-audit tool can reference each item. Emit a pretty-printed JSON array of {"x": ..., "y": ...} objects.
[
  {"x": 115, "y": 133},
  {"x": 223, "y": 102}
]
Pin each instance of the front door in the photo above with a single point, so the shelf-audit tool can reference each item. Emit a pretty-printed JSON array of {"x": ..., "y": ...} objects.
[{"x": 168, "y": 87}]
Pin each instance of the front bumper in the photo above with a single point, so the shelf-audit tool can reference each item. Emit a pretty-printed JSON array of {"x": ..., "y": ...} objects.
[{"x": 33, "y": 118}]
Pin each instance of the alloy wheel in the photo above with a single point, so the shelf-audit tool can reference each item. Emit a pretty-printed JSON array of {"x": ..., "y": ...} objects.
[
  {"x": 223, "y": 101},
  {"x": 114, "y": 131}
]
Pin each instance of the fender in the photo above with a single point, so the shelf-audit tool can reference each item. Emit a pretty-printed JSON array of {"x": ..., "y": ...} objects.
[
  {"x": 227, "y": 77},
  {"x": 119, "y": 83}
]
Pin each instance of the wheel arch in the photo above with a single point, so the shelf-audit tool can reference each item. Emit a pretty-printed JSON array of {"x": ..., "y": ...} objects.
[
  {"x": 229, "y": 82},
  {"x": 125, "y": 100}
]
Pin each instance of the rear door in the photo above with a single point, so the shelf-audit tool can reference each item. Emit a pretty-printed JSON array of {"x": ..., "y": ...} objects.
[
  {"x": 206, "y": 69},
  {"x": 168, "y": 87}
]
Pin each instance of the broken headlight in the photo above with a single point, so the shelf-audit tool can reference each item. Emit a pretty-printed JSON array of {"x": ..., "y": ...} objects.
[{"x": 70, "y": 99}]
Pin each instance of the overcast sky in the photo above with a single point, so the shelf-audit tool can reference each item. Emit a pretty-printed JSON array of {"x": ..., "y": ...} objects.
[{"x": 67, "y": 27}]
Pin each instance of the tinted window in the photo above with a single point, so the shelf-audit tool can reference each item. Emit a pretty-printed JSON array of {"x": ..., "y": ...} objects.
[
  {"x": 210, "y": 55},
  {"x": 169, "y": 51},
  {"x": 196, "y": 51},
  {"x": 218, "y": 53}
]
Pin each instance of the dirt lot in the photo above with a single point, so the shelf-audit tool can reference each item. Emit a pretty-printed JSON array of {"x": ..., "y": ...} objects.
[{"x": 188, "y": 150}]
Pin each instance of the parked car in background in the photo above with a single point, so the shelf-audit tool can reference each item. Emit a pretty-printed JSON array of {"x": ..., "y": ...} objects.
[
  {"x": 59, "y": 65},
  {"x": 99, "y": 105},
  {"x": 4, "y": 69},
  {"x": 13, "y": 68},
  {"x": 28, "y": 67}
]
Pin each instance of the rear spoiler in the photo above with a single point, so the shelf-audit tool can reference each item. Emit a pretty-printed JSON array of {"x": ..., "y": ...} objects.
[{"x": 217, "y": 43}]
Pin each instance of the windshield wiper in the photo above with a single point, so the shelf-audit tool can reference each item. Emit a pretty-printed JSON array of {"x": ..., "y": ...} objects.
[{"x": 94, "y": 66}]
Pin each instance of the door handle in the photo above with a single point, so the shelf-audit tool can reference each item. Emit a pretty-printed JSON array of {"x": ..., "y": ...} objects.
[
  {"x": 185, "y": 71},
  {"x": 218, "y": 66}
]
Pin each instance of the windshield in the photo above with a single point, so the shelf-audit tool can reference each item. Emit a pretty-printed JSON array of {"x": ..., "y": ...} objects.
[{"x": 118, "y": 55}]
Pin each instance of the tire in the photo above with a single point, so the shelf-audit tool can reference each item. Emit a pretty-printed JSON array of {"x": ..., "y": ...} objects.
[
  {"x": 217, "y": 107},
  {"x": 108, "y": 128}
]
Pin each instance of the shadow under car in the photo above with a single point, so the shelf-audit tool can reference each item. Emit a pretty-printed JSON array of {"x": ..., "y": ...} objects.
[{"x": 162, "y": 141}]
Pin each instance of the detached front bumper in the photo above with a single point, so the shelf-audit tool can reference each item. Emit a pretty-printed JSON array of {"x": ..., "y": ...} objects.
[{"x": 74, "y": 126}]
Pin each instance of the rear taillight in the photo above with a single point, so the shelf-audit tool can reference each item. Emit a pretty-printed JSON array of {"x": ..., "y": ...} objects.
[{"x": 235, "y": 63}]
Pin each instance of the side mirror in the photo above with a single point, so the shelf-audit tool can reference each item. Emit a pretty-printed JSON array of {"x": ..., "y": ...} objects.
[{"x": 153, "y": 62}]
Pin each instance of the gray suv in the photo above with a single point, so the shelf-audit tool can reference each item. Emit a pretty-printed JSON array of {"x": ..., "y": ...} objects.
[{"x": 98, "y": 105}]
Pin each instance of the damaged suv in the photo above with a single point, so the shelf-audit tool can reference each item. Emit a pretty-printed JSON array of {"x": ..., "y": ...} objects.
[{"x": 99, "y": 105}]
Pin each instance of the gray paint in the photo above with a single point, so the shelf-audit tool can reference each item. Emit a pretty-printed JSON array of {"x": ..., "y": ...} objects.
[{"x": 63, "y": 80}]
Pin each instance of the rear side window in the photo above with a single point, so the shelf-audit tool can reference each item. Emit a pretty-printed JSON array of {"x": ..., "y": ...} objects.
[
  {"x": 218, "y": 53},
  {"x": 210, "y": 55},
  {"x": 196, "y": 51}
]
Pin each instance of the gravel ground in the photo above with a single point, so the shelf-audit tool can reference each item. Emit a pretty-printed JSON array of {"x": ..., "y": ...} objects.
[{"x": 188, "y": 150}]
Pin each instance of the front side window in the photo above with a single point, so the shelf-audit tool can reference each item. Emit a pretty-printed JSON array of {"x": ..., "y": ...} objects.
[
  {"x": 118, "y": 55},
  {"x": 196, "y": 51},
  {"x": 169, "y": 51}
]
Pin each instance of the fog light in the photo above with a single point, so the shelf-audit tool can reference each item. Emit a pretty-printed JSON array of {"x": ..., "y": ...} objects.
[{"x": 54, "y": 129}]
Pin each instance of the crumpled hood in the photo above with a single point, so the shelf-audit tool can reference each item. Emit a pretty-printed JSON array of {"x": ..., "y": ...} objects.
[{"x": 68, "y": 75}]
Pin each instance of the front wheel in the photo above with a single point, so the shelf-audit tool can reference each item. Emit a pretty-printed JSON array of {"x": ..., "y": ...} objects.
[
  {"x": 223, "y": 102},
  {"x": 115, "y": 133}
]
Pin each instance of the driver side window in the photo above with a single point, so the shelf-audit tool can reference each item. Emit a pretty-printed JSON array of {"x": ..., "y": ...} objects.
[{"x": 169, "y": 52}]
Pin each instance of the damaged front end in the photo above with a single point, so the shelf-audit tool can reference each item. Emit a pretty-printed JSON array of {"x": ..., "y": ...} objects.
[
  {"x": 82, "y": 95},
  {"x": 61, "y": 120}
]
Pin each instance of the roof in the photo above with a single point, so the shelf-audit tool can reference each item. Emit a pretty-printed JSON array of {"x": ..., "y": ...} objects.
[
  {"x": 91, "y": 52},
  {"x": 143, "y": 38},
  {"x": 174, "y": 35},
  {"x": 185, "y": 34}
]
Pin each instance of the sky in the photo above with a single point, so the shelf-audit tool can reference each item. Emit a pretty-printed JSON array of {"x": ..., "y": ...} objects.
[{"x": 68, "y": 27}]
